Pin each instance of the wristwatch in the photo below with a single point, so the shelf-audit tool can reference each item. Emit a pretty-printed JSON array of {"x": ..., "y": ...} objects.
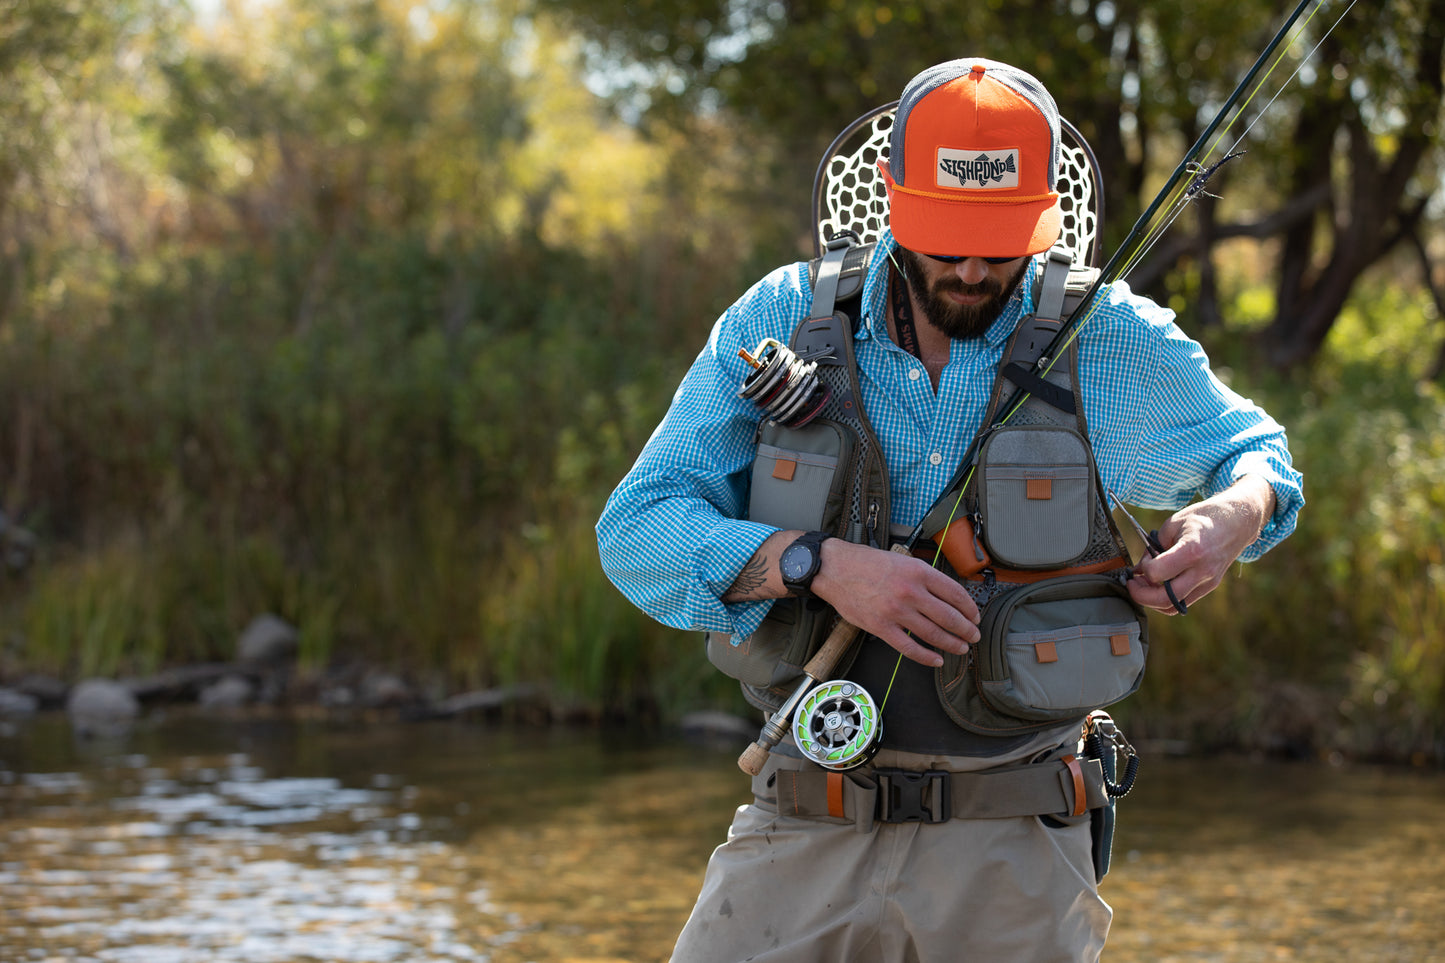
[{"x": 801, "y": 560}]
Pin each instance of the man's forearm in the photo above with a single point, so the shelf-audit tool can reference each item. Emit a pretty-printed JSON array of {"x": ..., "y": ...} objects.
[
  {"x": 1252, "y": 497},
  {"x": 761, "y": 578},
  {"x": 896, "y": 597}
]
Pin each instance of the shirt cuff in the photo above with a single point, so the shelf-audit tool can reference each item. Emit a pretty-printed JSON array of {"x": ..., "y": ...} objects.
[{"x": 1288, "y": 496}]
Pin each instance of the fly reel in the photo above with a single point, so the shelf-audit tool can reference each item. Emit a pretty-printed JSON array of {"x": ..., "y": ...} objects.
[
  {"x": 782, "y": 384},
  {"x": 837, "y": 725}
]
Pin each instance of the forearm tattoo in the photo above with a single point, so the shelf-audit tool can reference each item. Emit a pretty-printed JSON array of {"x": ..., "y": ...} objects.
[{"x": 750, "y": 581}]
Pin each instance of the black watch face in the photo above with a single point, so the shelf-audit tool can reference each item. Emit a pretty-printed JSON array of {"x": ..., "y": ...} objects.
[{"x": 796, "y": 562}]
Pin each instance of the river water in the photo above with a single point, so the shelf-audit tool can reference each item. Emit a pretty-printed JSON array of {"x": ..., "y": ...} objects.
[{"x": 273, "y": 841}]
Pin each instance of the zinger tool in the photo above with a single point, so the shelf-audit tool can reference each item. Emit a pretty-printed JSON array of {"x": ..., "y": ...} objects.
[{"x": 1153, "y": 545}]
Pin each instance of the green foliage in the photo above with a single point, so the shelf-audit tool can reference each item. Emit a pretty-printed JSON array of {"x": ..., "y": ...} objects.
[
  {"x": 76, "y": 613},
  {"x": 330, "y": 368},
  {"x": 356, "y": 473},
  {"x": 1339, "y": 629}
]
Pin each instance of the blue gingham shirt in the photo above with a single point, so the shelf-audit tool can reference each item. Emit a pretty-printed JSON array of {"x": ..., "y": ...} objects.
[{"x": 1165, "y": 432}]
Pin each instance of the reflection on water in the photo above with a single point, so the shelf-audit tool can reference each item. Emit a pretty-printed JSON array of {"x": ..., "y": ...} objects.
[{"x": 273, "y": 841}]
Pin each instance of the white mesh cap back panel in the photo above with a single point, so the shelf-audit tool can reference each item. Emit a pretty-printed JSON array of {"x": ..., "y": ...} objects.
[{"x": 849, "y": 193}]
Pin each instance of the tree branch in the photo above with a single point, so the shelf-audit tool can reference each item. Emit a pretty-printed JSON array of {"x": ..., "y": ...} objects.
[
  {"x": 1437, "y": 292},
  {"x": 1169, "y": 252}
]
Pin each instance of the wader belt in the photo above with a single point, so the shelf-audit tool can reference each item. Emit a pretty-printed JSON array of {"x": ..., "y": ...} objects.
[{"x": 1070, "y": 786}]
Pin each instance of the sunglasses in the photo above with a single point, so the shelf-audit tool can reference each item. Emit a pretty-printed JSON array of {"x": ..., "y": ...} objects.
[{"x": 954, "y": 259}]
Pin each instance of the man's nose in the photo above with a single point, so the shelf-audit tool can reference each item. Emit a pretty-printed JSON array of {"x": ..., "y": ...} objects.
[{"x": 971, "y": 270}]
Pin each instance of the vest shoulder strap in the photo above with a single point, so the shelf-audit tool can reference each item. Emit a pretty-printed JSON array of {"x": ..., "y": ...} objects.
[
  {"x": 837, "y": 278},
  {"x": 1056, "y": 294},
  {"x": 825, "y": 338}
]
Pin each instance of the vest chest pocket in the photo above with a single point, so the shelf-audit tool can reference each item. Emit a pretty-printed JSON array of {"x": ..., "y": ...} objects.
[
  {"x": 799, "y": 480},
  {"x": 1071, "y": 668},
  {"x": 1035, "y": 496},
  {"x": 799, "y": 476}
]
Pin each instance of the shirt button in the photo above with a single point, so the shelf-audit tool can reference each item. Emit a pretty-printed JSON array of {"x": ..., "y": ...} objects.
[
  {"x": 914, "y": 374},
  {"x": 935, "y": 459}
]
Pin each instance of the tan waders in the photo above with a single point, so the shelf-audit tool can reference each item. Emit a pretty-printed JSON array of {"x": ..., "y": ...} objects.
[{"x": 831, "y": 889}]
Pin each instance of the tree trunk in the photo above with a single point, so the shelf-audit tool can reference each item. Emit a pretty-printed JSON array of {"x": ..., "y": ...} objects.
[
  {"x": 1206, "y": 306},
  {"x": 1437, "y": 294},
  {"x": 1378, "y": 211}
]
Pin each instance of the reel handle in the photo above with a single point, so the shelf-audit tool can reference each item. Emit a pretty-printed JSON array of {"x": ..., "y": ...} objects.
[{"x": 755, "y": 756}]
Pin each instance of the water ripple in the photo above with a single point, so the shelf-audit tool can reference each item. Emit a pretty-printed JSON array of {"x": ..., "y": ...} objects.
[{"x": 221, "y": 863}]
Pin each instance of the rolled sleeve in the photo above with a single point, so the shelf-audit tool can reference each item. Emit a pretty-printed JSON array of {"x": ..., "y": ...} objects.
[
  {"x": 1174, "y": 432},
  {"x": 1273, "y": 465},
  {"x": 673, "y": 536}
]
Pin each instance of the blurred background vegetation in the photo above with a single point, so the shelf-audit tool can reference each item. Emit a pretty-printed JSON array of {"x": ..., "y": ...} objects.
[{"x": 355, "y": 311}]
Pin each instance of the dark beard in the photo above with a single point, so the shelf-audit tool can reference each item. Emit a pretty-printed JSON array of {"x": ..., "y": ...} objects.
[{"x": 961, "y": 321}]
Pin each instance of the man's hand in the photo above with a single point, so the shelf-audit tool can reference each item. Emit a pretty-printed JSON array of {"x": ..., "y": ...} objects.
[
  {"x": 900, "y": 599},
  {"x": 1200, "y": 542}
]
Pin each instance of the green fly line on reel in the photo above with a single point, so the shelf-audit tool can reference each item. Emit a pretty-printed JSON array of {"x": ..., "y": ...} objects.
[{"x": 838, "y": 725}]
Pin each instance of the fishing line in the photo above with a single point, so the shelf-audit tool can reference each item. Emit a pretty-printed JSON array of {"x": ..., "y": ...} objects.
[
  {"x": 1224, "y": 117},
  {"x": 838, "y": 725},
  {"x": 1303, "y": 60},
  {"x": 1176, "y": 194}
]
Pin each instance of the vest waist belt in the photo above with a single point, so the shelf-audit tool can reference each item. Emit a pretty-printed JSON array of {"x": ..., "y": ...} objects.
[{"x": 1065, "y": 787}]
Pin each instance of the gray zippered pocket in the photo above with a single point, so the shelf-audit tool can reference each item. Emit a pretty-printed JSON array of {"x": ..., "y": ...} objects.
[
  {"x": 799, "y": 476},
  {"x": 1035, "y": 496},
  {"x": 799, "y": 480},
  {"x": 1049, "y": 652}
]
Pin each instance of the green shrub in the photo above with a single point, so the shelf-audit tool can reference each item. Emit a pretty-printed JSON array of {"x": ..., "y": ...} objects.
[{"x": 1340, "y": 628}]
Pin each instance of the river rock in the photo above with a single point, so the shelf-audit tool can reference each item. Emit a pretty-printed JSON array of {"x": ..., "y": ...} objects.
[
  {"x": 337, "y": 695},
  {"x": 713, "y": 727},
  {"x": 101, "y": 707},
  {"x": 179, "y": 682},
  {"x": 17, "y": 545},
  {"x": 268, "y": 640},
  {"x": 487, "y": 700},
  {"x": 228, "y": 692},
  {"x": 381, "y": 690},
  {"x": 50, "y": 691},
  {"x": 17, "y": 705}
]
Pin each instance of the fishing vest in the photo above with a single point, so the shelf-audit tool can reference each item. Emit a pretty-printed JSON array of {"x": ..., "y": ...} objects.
[{"x": 1031, "y": 538}]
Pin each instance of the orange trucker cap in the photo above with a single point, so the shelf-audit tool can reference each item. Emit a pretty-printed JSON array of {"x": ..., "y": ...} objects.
[{"x": 973, "y": 162}]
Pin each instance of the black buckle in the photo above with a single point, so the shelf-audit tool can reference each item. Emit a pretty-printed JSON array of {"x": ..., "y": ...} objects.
[{"x": 902, "y": 792}]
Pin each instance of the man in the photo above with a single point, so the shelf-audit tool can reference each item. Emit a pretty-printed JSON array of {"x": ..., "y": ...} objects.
[{"x": 957, "y": 267}]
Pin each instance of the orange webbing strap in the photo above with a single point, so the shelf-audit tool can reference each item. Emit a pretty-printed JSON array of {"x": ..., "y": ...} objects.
[
  {"x": 1012, "y": 575},
  {"x": 835, "y": 794},
  {"x": 1076, "y": 769},
  {"x": 813, "y": 792}
]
